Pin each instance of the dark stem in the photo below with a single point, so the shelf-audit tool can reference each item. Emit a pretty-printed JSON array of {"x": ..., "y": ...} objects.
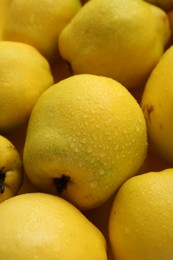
[
  {"x": 2, "y": 179},
  {"x": 61, "y": 183}
]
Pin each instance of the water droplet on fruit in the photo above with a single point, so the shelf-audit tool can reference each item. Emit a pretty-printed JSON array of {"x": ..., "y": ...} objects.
[
  {"x": 83, "y": 140},
  {"x": 80, "y": 164},
  {"x": 127, "y": 230},
  {"x": 137, "y": 129},
  {"x": 117, "y": 156},
  {"x": 72, "y": 145},
  {"x": 101, "y": 172},
  {"x": 89, "y": 150},
  {"x": 116, "y": 147},
  {"x": 76, "y": 150},
  {"x": 102, "y": 155},
  {"x": 93, "y": 185}
]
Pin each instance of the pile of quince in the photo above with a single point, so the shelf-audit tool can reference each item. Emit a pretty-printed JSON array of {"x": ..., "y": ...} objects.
[{"x": 86, "y": 129}]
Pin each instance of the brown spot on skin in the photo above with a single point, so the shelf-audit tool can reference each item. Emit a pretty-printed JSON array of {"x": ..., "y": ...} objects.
[
  {"x": 160, "y": 126},
  {"x": 149, "y": 110},
  {"x": 11, "y": 147}
]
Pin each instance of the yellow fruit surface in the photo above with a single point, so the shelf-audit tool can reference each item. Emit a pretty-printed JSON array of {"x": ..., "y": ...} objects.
[
  {"x": 157, "y": 104},
  {"x": 94, "y": 80},
  {"x": 90, "y": 129},
  {"x": 39, "y": 23},
  {"x": 112, "y": 38},
  {"x": 42, "y": 226},
  {"x": 141, "y": 219},
  {"x": 24, "y": 75},
  {"x": 11, "y": 176},
  {"x": 4, "y": 8}
]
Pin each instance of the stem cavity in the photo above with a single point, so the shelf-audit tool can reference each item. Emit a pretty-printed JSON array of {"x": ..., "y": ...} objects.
[
  {"x": 61, "y": 183},
  {"x": 2, "y": 179}
]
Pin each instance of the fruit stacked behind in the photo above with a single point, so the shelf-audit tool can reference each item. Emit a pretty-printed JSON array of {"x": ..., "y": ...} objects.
[{"x": 85, "y": 138}]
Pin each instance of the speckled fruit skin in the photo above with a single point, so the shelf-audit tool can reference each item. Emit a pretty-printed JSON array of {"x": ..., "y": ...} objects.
[
  {"x": 86, "y": 136},
  {"x": 43, "y": 226},
  {"x": 11, "y": 175},
  {"x": 39, "y": 23},
  {"x": 111, "y": 38},
  {"x": 157, "y": 105},
  {"x": 141, "y": 219},
  {"x": 24, "y": 75}
]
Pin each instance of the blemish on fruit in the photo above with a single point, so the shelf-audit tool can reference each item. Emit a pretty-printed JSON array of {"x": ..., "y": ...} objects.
[
  {"x": 61, "y": 183},
  {"x": 69, "y": 68},
  {"x": 2, "y": 179},
  {"x": 160, "y": 126},
  {"x": 149, "y": 110},
  {"x": 11, "y": 147}
]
